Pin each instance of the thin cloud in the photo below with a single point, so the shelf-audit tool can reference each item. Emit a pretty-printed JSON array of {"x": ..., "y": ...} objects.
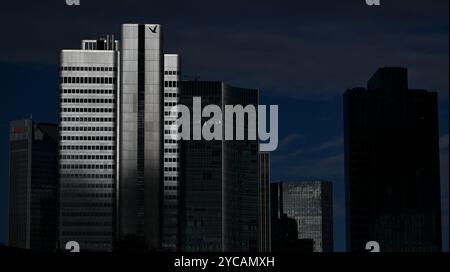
[
  {"x": 286, "y": 141},
  {"x": 298, "y": 154}
]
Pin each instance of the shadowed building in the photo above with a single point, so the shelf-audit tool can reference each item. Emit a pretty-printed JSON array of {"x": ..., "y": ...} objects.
[
  {"x": 220, "y": 179},
  {"x": 392, "y": 165},
  {"x": 264, "y": 223},
  {"x": 32, "y": 189},
  {"x": 310, "y": 205}
]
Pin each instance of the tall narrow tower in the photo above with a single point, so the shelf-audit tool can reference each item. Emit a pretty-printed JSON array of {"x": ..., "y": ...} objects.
[
  {"x": 172, "y": 176},
  {"x": 141, "y": 134}
]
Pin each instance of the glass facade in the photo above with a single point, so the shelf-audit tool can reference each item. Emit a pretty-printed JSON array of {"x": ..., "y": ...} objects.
[
  {"x": 392, "y": 165},
  {"x": 264, "y": 203},
  {"x": 220, "y": 180},
  {"x": 310, "y": 204},
  {"x": 33, "y": 181}
]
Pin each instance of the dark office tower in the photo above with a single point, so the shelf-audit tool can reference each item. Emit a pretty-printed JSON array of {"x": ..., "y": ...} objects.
[
  {"x": 32, "y": 190},
  {"x": 264, "y": 202},
  {"x": 392, "y": 165},
  {"x": 87, "y": 147},
  {"x": 283, "y": 229},
  {"x": 220, "y": 179},
  {"x": 310, "y": 204},
  {"x": 172, "y": 177},
  {"x": 141, "y": 135}
]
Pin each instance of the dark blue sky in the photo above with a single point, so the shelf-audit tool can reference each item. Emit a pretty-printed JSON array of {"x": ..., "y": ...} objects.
[{"x": 302, "y": 55}]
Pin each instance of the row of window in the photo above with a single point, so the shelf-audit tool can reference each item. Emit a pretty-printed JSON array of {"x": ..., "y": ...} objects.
[
  {"x": 170, "y": 122},
  {"x": 105, "y": 243},
  {"x": 87, "y": 128},
  {"x": 171, "y": 141},
  {"x": 170, "y": 132},
  {"x": 87, "y": 233},
  {"x": 172, "y": 72},
  {"x": 169, "y": 113},
  {"x": 171, "y": 197},
  {"x": 91, "y": 69},
  {"x": 99, "y": 176},
  {"x": 172, "y": 84},
  {"x": 88, "y": 138},
  {"x": 88, "y": 119},
  {"x": 87, "y": 214},
  {"x": 87, "y": 157},
  {"x": 172, "y": 178},
  {"x": 171, "y": 188},
  {"x": 87, "y": 91},
  {"x": 170, "y": 206},
  {"x": 171, "y": 150},
  {"x": 108, "y": 166},
  {"x": 86, "y": 147},
  {"x": 171, "y": 95},
  {"x": 88, "y": 204},
  {"x": 88, "y": 80},
  {"x": 83, "y": 194},
  {"x": 86, "y": 224},
  {"x": 171, "y": 160},
  {"x": 90, "y": 110},
  {"x": 88, "y": 100},
  {"x": 87, "y": 185},
  {"x": 170, "y": 104},
  {"x": 171, "y": 169},
  {"x": 87, "y": 166}
]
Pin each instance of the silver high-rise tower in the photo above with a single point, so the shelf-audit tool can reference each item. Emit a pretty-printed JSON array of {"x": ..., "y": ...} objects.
[
  {"x": 141, "y": 135},
  {"x": 87, "y": 149}
]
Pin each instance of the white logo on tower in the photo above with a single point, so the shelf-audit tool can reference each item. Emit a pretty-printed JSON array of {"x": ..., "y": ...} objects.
[{"x": 153, "y": 30}]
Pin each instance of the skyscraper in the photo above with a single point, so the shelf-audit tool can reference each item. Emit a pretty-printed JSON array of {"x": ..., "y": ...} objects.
[
  {"x": 172, "y": 174},
  {"x": 264, "y": 224},
  {"x": 392, "y": 165},
  {"x": 220, "y": 179},
  {"x": 87, "y": 148},
  {"x": 141, "y": 135},
  {"x": 310, "y": 204},
  {"x": 32, "y": 189}
]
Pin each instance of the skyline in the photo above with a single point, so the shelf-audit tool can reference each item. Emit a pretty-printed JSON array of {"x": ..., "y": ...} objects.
[{"x": 315, "y": 142}]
